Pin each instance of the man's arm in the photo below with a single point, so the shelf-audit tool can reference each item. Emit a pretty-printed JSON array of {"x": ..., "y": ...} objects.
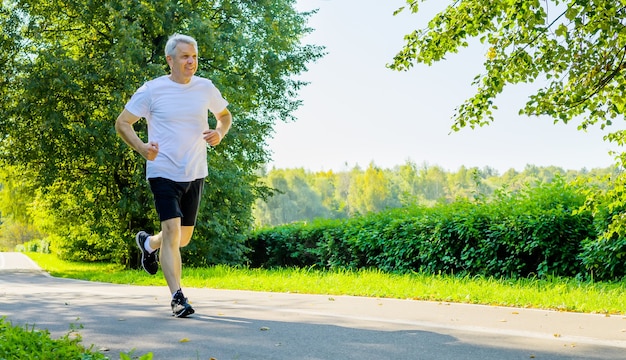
[
  {"x": 224, "y": 120},
  {"x": 124, "y": 128}
]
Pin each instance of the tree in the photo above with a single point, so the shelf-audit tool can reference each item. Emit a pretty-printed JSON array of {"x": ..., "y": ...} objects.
[
  {"x": 408, "y": 184},
  {"x": 72, "y": 65},
  {"x": 577, "y": 47},
  {"x": 434, "y": 181},
  {"x": 369, "y": 191},
  {"x": 294, "y": 199},
  {"x": 16, "y": 195},
  {"x": 325, "y": 183}
]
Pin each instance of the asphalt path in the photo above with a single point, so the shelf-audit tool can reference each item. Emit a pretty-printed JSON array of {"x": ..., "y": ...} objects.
[{"x": 258, "y": 325}]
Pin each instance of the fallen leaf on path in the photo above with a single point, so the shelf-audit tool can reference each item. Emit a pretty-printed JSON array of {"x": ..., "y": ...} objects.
[{"x": 183, "y": 340}]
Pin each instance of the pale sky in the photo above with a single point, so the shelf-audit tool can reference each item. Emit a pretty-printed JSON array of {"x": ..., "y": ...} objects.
[{"x": 356, "y": 111}]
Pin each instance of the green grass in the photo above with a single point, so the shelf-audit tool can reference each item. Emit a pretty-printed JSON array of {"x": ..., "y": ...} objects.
[
  {"x": 28, "y": 342},
  {"x": 555, "y": 294}
]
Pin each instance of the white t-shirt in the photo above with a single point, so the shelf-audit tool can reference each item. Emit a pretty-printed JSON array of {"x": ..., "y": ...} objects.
[{"x": 177, "y": 114}]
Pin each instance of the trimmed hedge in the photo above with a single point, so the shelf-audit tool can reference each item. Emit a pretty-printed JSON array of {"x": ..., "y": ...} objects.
[{"x": 534, "y": 232}]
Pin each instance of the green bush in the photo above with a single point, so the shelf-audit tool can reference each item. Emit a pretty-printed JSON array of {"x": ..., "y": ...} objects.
[
  {"x": 533, "y": 232},
  {"x": 298, "y": 244},
  {"x": 603, "y": 256},
  {"x": 29, "y": 343},
  {"x": 35, "y": 246},
  {"x": 83, "y": 245}
]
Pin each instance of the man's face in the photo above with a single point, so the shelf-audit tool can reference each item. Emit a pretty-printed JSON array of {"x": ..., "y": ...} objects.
[{"x": 184, "y": 64}]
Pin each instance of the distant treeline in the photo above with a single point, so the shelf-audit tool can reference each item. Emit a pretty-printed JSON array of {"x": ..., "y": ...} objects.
[{"x": 301, "y": 195}]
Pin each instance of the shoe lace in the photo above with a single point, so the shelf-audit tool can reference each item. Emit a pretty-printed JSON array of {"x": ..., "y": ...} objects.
[{"x": 179, "y": 298}]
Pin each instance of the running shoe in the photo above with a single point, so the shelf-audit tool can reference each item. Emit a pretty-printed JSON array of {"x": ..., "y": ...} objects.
[
  {"x": 148, "y": 260},
  {"x": 180, "y": 306}
]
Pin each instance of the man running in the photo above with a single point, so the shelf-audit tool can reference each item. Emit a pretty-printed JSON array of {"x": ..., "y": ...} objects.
[{"x": 176, "y": 107}]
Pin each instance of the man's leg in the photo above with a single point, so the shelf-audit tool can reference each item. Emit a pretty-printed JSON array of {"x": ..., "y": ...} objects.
[
  {"x": 186, "y": 232},
  {"x": 185, "y": 235},
  {"x": 172, "y": 237},
  {"x": 178, "y": 204},
  {"x": 171, "y": 233},
  {"x": 171, "y": 263}
]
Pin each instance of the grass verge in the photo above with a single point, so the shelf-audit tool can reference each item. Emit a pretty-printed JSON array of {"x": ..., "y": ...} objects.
[
  {"x": 27, "y": 342},
  {"x": 561, "y": 294},
  {"x": 30, "y": 343}
]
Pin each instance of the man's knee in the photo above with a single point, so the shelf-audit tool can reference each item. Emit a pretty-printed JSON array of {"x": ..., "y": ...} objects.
[{"x": 171, "y": 235}]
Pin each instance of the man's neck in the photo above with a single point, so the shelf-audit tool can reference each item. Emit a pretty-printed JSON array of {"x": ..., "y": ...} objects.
[{"x": 180, "y": 80}]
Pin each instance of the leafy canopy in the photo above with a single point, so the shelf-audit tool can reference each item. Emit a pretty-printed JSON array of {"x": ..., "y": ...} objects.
[
  {"x": 575, "y": 50},
  {"x": 69, "y": 68}
]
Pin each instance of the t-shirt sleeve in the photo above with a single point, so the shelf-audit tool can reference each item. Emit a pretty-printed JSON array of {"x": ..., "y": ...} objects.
[
  {"x": 216, "y": 102},
  {"x": 139, "y": 103}
]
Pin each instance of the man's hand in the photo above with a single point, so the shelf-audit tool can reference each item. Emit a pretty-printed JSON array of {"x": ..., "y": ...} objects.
[
  {"x": 150, "y": 150},
  {"x": 212, "y": 137},
  {"x": 124, "y": 127},
  {"x": 215, "y": 136}
]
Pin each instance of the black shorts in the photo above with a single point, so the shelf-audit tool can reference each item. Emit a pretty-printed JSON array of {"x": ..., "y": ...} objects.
[{"x": 177, "y": 199}]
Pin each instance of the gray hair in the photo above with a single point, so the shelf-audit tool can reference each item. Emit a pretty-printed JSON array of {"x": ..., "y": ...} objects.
[{"x": 174, "y": 40}]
